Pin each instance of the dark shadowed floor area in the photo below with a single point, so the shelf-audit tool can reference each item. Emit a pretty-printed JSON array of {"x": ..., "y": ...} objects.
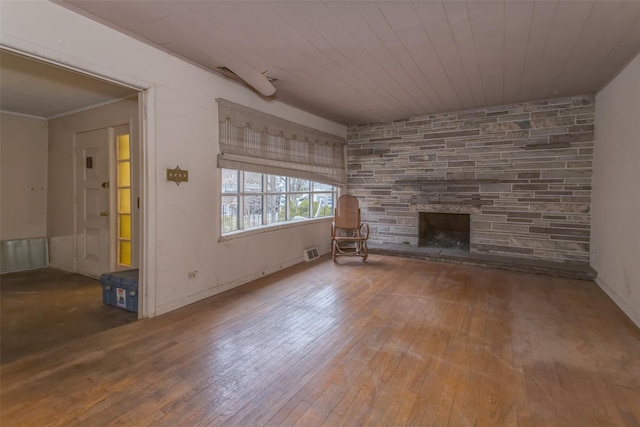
[{"x": 47, "y": 308}]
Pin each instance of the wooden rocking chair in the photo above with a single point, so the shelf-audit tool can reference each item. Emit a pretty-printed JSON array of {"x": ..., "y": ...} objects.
[{"x": 348, "y": 235}]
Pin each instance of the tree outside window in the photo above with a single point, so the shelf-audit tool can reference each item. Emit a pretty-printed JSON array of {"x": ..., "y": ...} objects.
[{"x": 263, "y": 200}]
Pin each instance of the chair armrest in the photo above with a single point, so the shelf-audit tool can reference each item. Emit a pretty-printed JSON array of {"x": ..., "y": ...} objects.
[{"x": 364, "y": 230}]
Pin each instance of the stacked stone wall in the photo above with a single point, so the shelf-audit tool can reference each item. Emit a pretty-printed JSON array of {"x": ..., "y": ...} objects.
[{"x": 522, "y": 171}]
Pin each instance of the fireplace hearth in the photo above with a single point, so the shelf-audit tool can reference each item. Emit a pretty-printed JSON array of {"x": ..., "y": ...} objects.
[{"x": 444, "y": 230}]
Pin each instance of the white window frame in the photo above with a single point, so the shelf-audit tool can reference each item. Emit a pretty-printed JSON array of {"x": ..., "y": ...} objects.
[{"x": 241, "y": 193}]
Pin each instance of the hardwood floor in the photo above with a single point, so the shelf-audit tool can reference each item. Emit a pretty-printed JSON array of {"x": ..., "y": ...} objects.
[
  {"x": 46, "y": 308},
  {"x": 392, "y": 342}
]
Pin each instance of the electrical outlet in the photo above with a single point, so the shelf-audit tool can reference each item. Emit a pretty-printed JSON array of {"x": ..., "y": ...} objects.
[{"x": 192, "y": 274}]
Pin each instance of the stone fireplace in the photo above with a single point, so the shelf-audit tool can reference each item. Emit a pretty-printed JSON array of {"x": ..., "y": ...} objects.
[
  {"x": 444, "y": 230},
  {"x": 522, "y": 172}
]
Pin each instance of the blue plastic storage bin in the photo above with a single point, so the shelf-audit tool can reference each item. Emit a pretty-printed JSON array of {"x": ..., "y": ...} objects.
[{"x": 120, "y": 289}]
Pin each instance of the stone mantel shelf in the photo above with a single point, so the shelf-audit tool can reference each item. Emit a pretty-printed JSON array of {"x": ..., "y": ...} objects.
[
  {"x": 455, "y": 181},
  {"x": 437, "y": 208}
]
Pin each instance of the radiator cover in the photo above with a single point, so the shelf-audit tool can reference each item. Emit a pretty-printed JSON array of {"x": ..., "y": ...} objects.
[{"x": 23, "y": 254}]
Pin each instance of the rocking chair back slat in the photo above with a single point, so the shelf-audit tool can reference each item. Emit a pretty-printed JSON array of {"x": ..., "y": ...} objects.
[{"x": 347, "y": 214}]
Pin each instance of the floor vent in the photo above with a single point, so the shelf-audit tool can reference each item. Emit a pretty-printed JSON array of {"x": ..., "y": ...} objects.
[{"x": 311, "y": 254}]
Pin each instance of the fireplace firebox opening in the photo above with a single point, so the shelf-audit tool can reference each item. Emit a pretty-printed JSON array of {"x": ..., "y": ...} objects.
[{"x": 444, "y": 230}]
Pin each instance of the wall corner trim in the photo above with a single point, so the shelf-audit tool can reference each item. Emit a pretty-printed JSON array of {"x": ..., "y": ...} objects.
[{"x": 633, "y": 315}]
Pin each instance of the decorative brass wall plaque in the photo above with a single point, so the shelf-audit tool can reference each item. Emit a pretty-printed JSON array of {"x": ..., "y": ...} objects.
[{"x": 177, "y": 175}]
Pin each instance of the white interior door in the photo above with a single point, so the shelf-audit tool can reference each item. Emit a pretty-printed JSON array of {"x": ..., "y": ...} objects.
[{"x": 92, "y": 202}]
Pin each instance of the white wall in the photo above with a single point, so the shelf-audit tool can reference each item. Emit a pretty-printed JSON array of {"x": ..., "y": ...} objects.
[
  {"x": 61, "y": 208},
  {"x": 23, "y": 180},
  {"x": 181, "y": 228},
  {"x": 615, "y": 228}
]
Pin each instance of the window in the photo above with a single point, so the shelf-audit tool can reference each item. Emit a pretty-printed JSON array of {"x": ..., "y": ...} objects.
[
  {"x": 123, "y": 200},
  {"x": 251, "y": 199}
]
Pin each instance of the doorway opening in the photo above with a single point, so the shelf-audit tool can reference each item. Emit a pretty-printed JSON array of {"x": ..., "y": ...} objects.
[{"x": 97, "y": 220}]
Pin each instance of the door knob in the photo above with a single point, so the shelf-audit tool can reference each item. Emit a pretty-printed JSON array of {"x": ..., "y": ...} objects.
[
  {"x": 105, "y": 184},
  {"x": 103, "y": 213}
]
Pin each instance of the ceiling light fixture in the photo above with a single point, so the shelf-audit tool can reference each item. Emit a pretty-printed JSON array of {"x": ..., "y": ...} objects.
[{"x": 250, "y": 76}]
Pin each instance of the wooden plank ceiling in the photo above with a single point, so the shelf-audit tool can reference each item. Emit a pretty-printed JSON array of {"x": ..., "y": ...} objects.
[{"x": 365, "y": 62}]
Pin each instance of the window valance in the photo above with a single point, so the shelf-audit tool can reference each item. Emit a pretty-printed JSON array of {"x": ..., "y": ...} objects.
[{"x": 255, "y": 141}]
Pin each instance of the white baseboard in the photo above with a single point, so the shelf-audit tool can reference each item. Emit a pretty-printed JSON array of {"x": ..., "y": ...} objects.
[
  {"x": 173, "y": 305},
  {"x": 165, "y": 308},
  {"x": 620, "y": 302},
  {"x": 61, "y": 267}
]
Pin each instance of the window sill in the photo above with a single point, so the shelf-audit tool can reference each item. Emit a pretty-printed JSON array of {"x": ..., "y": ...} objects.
[{"x": 269, "y": 228}]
